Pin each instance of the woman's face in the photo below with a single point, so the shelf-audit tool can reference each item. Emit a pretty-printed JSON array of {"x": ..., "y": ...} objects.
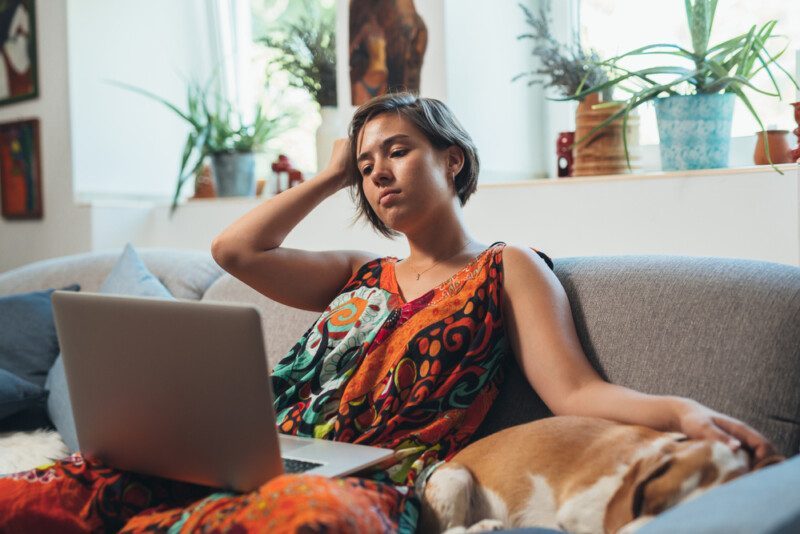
[{"x": 405, "y": 179}]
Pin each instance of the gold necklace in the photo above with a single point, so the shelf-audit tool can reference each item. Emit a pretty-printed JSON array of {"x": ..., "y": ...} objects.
[{"x": 440, "y": 261}]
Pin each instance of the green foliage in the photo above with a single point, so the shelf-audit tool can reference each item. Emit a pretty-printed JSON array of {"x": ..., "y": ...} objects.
[
  {"x": 216, "y": 127},
  {"x": 570, "y": 69},
  {"x": 727, "y": 67},
  {"x": 306, "y": 50}
]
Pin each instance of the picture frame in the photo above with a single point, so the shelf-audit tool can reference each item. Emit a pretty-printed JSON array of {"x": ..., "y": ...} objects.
[
  {"x": 19, "y": 70},
  {"x": 20, "y": 170}
]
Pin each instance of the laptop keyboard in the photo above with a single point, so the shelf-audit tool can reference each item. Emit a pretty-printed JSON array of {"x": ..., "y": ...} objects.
[{"x": 297, "y": 466}]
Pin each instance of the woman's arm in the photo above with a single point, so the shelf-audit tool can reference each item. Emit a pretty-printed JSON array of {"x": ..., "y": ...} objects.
[
  {"x": 538, "y": 320},
  {"x": 250, "y": 249}
]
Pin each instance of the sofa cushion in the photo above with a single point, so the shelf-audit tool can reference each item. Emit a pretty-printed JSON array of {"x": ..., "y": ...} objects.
[
  {"x": 282, "y": 325},
  {"x": 28, "y": 341},
  {"x": 129, "y": 276},
  {"x": 185, "y": 273},
  {"x": 17, "y": 394}
]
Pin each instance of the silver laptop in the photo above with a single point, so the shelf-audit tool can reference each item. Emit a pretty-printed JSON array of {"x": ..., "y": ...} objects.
[{"x": 180, "y": 389}]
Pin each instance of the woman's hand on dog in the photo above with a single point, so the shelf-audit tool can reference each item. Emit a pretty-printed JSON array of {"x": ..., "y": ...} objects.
[{"x": 700, "y": 422}]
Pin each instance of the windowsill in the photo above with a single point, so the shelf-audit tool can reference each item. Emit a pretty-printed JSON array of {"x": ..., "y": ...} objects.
[
  {"x": 737, "y": 171},
  {"x": 108, "y": 200}
]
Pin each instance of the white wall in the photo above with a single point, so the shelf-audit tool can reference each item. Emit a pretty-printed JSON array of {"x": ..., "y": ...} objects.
[
  {"x": 124, "y": 143},
  {"x": 64, "y": 228},
  {"x": 751, "y": 213},
  {"x": 503, "y": 118},
  {"x": 433, "y": 76}
]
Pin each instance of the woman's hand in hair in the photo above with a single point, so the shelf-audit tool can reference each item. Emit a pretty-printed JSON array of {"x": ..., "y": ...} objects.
[{"x": 339, "y": 169}]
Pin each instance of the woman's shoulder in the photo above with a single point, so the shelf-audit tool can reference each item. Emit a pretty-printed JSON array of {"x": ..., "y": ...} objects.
[
  {"x": 527, "y": 271},
  {"x": 518, "y": 254}
]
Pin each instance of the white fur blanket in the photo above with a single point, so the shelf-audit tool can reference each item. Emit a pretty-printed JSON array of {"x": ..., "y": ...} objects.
[{"x": 20, "y": 451}]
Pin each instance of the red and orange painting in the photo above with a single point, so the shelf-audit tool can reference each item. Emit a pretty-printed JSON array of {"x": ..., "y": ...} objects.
[
  {"x": 20, "y": 170},
  {"x": 388, "y": 39}
]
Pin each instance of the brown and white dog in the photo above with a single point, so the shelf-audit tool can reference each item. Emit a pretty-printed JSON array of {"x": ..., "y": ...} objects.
[{"x": 577, "y": 474}]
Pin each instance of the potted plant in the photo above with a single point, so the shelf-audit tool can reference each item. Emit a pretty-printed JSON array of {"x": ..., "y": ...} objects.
[
  {"x": 695, "y": 91},
  {"x": 570, "y": 70},
  {"x": 306, "y": 51},
  {"x": 220, "y": 132}
]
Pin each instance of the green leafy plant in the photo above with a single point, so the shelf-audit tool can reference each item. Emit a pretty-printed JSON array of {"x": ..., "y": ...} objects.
[
  {"x": 216, "y": 127},
  {"x": 727, "y": 67},
  {"x": 568, "y": 68},
  {"x": 306, "y": 50}
]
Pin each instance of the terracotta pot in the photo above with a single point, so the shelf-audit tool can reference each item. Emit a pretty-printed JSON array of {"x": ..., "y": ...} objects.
[
  {"x": 778, "y": 147},
  {"x": 604, "y": 152},
  {"x": 204, "y": 184}
]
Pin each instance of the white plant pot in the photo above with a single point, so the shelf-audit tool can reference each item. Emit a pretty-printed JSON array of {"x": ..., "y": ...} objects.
[{"x": 332, "y": 127}]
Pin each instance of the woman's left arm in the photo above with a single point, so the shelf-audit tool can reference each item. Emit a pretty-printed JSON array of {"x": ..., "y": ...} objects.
[{"x": 538, "y": 321}]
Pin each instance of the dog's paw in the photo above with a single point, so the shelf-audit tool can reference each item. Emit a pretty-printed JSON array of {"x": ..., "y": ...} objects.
[{"x": 486, "y": 525}]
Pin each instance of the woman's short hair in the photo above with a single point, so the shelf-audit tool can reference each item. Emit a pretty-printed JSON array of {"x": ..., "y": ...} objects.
[{"x": 438, "y": 125}]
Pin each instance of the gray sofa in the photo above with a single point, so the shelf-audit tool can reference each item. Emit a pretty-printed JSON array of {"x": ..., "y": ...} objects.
[{"x": 724, "y": 332}]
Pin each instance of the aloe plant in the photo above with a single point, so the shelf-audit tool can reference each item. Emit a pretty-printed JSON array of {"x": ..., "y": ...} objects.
[
  {"x": 727, "y": 67},
  {"x": 216, "y": 127}
]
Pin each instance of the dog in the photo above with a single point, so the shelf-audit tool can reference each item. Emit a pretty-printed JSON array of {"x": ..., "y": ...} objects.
[{"x": 578, "y": 474}]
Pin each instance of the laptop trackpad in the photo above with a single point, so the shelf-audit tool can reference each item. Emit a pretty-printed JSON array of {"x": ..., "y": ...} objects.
[{"x": 291, "y": 443}]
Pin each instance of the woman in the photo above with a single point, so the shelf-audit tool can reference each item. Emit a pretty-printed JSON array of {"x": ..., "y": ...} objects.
[{"x": 406, "y": 354}]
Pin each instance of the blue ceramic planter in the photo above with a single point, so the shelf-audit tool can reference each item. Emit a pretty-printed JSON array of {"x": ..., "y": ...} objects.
[{"x": 694, "y": 131}]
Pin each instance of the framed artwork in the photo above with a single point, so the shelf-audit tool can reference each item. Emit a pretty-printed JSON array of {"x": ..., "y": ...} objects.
[
  {"x": 387, "y": 46},
  {"x": 18, "y": 68},
  {"x": 20, "y": 170}
]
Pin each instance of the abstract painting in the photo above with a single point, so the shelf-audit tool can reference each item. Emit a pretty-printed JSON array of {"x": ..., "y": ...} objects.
[
  {"x": 388, "y": 39},
  {"x": 18, "y": 71},
  {"x": 20, "y": 170}
]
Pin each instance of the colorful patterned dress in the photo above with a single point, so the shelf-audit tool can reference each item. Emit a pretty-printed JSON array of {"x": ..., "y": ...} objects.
[{"x": 417, "y": 377}]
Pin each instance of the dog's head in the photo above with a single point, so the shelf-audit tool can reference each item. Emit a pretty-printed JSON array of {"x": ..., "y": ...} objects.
[{"x": 680, "y": 470}]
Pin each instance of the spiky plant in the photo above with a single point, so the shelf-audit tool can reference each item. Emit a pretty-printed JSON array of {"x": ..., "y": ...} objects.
[
  {"x": 216, "y": 127},
  {"x": 727, "y": 67},
  {"x": 568, "y": 68}
]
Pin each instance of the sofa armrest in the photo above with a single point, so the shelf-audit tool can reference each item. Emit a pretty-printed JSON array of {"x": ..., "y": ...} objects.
[{"x": 767, "y": 501}]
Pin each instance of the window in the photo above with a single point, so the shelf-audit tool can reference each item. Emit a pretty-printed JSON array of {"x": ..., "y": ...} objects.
[
  {"x": 299, "y": 142},
  {"x": 616, "y": 26},
  {"x": 242, "y": 25}
]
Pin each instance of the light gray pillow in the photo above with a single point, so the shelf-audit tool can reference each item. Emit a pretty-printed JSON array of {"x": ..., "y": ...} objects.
[{"x": 128, "y": 277}]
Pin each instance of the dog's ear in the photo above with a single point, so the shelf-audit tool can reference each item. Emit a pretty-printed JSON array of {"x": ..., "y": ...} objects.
[
  {"x": 626, "y": 504},
  {"x": 654, "y": 483}
]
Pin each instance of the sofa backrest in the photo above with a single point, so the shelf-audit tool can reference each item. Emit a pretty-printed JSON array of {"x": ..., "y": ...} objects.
[
  {"x": 724, "y": 332},
  {"x": 187, "y": 274}
]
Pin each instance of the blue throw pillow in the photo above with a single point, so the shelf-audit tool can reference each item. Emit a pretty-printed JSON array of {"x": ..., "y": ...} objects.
[
  {"x": 17, "y": 394},
  {"x": 28, "y": 342},
  {"x": 130, "y": 277}
]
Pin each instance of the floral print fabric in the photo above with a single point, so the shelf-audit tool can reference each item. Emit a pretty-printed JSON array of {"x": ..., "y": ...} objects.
[{"x": 417, "y": 377}]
